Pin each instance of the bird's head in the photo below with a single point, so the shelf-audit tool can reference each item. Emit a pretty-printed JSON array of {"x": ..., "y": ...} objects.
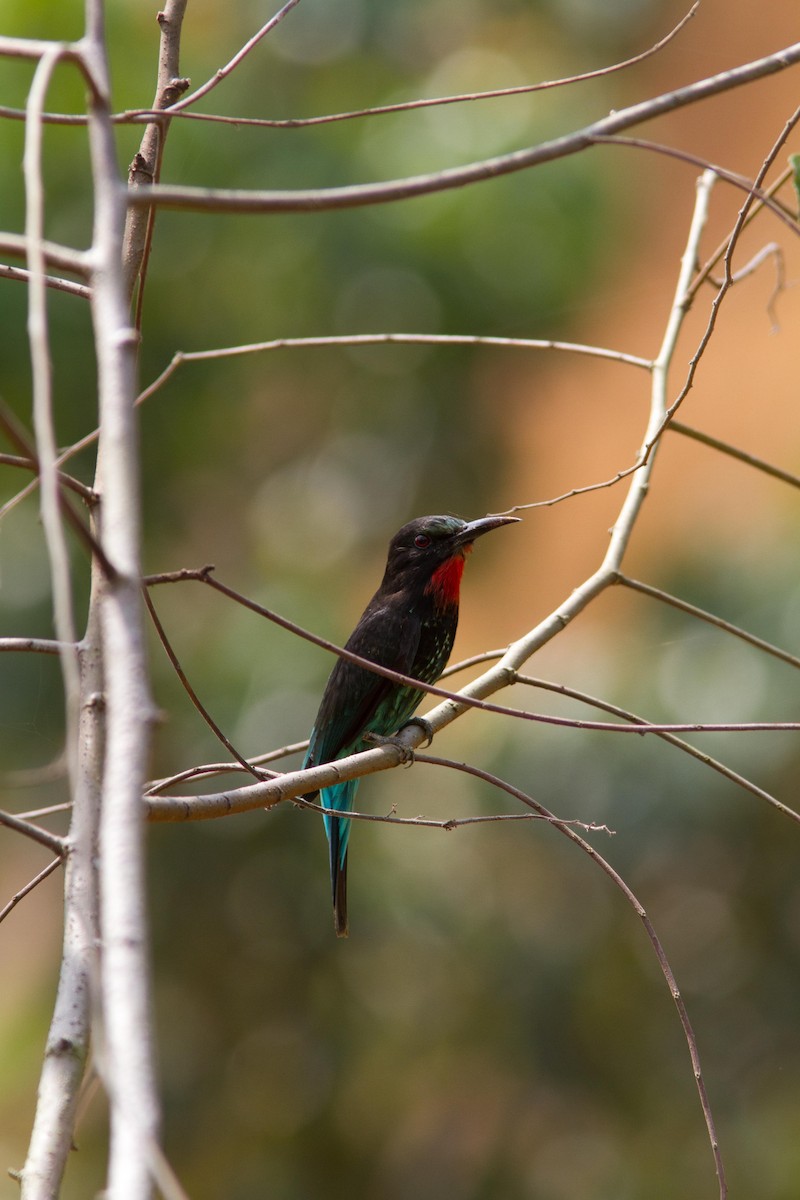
[{"x": 429, "y": 552}]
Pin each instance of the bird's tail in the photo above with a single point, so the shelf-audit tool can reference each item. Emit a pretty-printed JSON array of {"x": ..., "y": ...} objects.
[{"x": 341, "y": 798}]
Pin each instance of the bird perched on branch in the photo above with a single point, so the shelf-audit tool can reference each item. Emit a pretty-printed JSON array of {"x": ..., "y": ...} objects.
[{"x": 408, "y": 626}]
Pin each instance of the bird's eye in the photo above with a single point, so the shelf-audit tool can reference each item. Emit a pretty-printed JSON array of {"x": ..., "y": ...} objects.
[{"x": 422, "y": 541}]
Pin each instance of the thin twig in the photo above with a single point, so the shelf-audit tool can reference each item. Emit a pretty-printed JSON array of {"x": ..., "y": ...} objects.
[
  {"x": 450, "y": 823},
  {"x": 206, "y": 770},
  {"x": 695, "y": 160},
  {"x": 14, "y": 645},
  {"x": 710, "y": 618},
  {"x": 49, "y": 809},
  {"x": 183, "y": 357},
  {"x": 240, "y": 55},
  {"x": 30, "y": 464},
  {"x": 475, "y": 660},
  {"x": 715, "y": 765},
  {"x": 751, "y": 460},
  {"x": 387, "y": 339},
  {"x": 409, "y": 105},
  {"x": 29, "y": 886},
  {"x": 191, "y": 693},
  {"x": 18, "y": 437},
  {"x": 54, "y": 282},
  {"x": 704, "y": 273},
  {"x": 42, "y": 836}
]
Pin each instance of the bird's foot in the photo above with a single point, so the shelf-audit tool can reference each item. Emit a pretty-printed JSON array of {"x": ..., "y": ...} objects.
[
  {"x": 379, "y": 739},
  {"x": 424, "y": 725}
]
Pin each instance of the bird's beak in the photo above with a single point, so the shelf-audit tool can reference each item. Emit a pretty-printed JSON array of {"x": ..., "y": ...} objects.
[{"x": 476, "y": 529}]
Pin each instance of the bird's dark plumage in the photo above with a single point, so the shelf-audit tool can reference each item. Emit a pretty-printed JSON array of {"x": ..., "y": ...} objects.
[{"x": 408, "y": 626}]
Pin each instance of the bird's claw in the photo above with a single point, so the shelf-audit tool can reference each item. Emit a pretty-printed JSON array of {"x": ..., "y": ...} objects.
[
  {"x": 424, "y": 725},
  {"x": 406, "y": 752}
]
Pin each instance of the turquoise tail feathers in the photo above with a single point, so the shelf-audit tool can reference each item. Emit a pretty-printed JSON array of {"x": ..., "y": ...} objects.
[{"x": 339, "y": 797}]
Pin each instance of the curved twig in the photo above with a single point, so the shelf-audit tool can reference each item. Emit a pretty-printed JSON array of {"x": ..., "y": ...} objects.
[
  {"x": 29, "y": 886},
  {"x": 695, "y": 160},
  {"x": 450, "y": 823},
  {"x": 655, "y": 941},
  {"x": 191, "y": 693},
  {"x": 83, "y": 490}
]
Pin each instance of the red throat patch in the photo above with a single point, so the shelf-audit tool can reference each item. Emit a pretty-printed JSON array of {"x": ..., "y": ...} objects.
[{"x": 445, "y": 582}]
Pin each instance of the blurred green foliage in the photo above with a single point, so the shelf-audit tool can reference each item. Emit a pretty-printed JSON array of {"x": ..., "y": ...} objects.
[{"x": 496, "y": 1026}]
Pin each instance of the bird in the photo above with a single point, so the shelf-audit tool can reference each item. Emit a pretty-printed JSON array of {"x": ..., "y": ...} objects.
[{"x": 408, "y": 626}]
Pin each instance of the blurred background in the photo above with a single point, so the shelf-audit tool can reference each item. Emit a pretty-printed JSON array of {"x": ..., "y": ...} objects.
[{"x": 497, "y": 1025}]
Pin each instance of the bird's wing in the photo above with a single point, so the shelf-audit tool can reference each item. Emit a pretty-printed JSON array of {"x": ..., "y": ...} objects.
[{"x": 353, "y": 694}]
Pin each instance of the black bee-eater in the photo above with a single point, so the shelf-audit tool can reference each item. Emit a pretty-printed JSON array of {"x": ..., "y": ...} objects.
[{"x": 408, "y": 626}]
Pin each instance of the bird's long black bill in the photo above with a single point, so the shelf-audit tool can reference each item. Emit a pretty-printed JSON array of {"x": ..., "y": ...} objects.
[{"x": 476, "y": 529}]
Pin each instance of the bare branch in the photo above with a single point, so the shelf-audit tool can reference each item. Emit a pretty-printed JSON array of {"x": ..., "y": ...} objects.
[
  {"x": 182, "y": 357},
  {"x": 146, "y": 166},
  {"x": 179, "y": 109},
  {"x": 46, "y": 450},
  {"x": 326, "y": 199},
  {"x": 475, "y": 660},
  {"x": 386, "y": 339},
  {"x": 127, "y": 1059},
  {"x": 407, "y": 105},
  {"x": 292, "y": 784},
  {"x": 11, "y": 47},
  {"x": 524, "y": 647},
  {"x": 57, "y": 1104},
  {"x": 452, "y": 823}
]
